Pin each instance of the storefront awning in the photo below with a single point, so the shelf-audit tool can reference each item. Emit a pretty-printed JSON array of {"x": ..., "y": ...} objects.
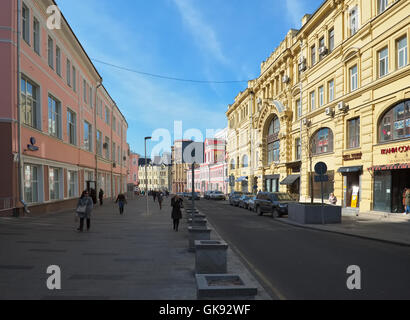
[
  {"x": 289, "y": 180},
  {"x": 390, "y": 167},
  {"x": 241, "y": 179},
  {"x": 275, "y": 176},
  {"x": 350, "y": 169}
]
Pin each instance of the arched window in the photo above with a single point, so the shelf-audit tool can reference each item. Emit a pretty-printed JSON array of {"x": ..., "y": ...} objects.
[
  {"x": 322, "y": 141},
  {"x": 273, "y": 141},
  {"x": 245, "y": 161},
  {"x": 395, "y": 123}
]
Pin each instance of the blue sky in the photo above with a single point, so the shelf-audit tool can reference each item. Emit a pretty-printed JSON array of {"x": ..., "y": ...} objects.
[{"x": 213, "y": 40}]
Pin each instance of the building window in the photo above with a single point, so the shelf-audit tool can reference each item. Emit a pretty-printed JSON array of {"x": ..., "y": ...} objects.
[
  {"x": 331, "y": 90},
  {"x": 58, "y": 61},
  {"x": 402, "y": 52},
  {"x": 273, "y": 141},
  {"x": 28, "y": 103},
  {"x": 99, "y": 143},
  {"x": 74, "y": 79},
  {"x": 298, "y": 109},
  {"x": 107, "y": 148},
  {"x": 54, "y": 117},
  {"x": 232, "y": 164},
  {"x": 113, "y": 152},
  {"x": 72, "y": 184},
  {"x": 68, "y": 73},
  {"x": 54, "y": 183},
  {"x": 245, "y": 162},
  {"x": 36, "y": 36},
  {"x": 353, "y": 127},
  {"x": 114, "y": 124},
  {"x": 395, "y": 124},
  {"x": 331, "y": 39},
  {"x": 71, "y": 127},
  {"x": 322, "y": 141},
  {"x": 25, "y": 12},
  {"x": 321, "y": 45},
  {"x": 91, "y": 97},
  {"x": 312, "y": 101},
  {"x": 84, "y": 91},
  {"x": 31, "y": 183},
  {"x": 383, "y": 62},
  {"x": 354, "y": 22},
  {"x": 381, "y": 6},
  {"x": 313, "y": 55},
  {"x": 321, "y": 96},
  {"x": 353, "y": 78},
  {"x": 107, "y": 116},
  {"x": 298, "y": 150},
  {"x": 50, "y": 53},
  {"x": 88, "y": 136}
]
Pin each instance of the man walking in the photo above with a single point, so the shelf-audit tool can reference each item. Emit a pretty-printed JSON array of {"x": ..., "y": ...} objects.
[
  {"x": 160, "y": 199},
  {"x": 177, "y": 204},
  {"x": 121, "y": 200},
  {"x": 101, "y": 196}
]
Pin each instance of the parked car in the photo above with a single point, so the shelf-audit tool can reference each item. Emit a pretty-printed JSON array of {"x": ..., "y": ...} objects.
[
  {"x": 196, "y": 196},
  {"x": 217, "y": 195},
  {"x": 251, "y": 203},
  {"x": 275, "y": 203},
  {"x": 234, "y": 196},
  {"x": 207, "y": 195},
  {"x": 243, "y": 201}
]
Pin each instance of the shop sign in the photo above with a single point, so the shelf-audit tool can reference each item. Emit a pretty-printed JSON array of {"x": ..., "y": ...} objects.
[
  {"x": 354, "y": 156},
  {"x": 393, "y": 150}
]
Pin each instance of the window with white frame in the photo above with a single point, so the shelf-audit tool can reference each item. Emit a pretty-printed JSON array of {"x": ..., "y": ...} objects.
[
  {"x": 74, "y": 79},
  {"x": 31, "y": 183},
  {"x": 331, "y": 90},
  {"x": 55, "y": 183},
  {"x": 298, "y": 109},
  {"x": 36, "y": 36},
  {"x": 25, "y": 12},
  {"x": 91, "y": 97},
  {"x": 99, "y": 143},
  {"x": 353, "y": 78},
  {"x": 331, "y": 39},
  {"x": 313, "y": 55},
  {"x": 312, "y": 101},
  {"x": 72, "y": 177},
  {"x": 354, "y": 21},
  {"x": 54, "y": 117},
  {"x": 71, "y": 127},
  {"x": 114, "y": 124},
  {"x": 107, "y": 115},
  {"x": 29, "y": 102},
  {"x": 321, "y": 96},
  {"x": 50, "y": 49},
  {"x": 113, "y": 152},
  {"x": 107, "y": 149},
  {"x": 87, "y": 139},
  {"x": 402, "y": 52},
  {"x": 383, "y": 62},
  {"x": 85, "y": 91},
  {"x": 381, "y": 6},
  {"x": 58, "y": 60}
]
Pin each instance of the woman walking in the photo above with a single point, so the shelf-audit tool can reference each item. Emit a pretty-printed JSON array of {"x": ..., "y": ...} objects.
[
  {"x": 177, "y": 204},
  {"x": 160, "y": 197},
  {"x": 121, "y": 202},
  {"x": 84, "y": 207}
]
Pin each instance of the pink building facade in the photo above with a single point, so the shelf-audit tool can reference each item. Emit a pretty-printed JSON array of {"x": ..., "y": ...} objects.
[
  {"x": 61, "y": 130},
  {"x": 133, "y": 169},
  {"x": 212, "y": 175}
]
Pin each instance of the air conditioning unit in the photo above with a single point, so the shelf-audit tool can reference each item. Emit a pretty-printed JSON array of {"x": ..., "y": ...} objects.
[
  {"x": 302, "y": 60},
  {"x": 341, "y": 106},
  {"x": 322, "y": 51},
  {"x": 329, "y": 112},
  {"x": 285, "y": 79},
  {"x": 302, "y": 66}
]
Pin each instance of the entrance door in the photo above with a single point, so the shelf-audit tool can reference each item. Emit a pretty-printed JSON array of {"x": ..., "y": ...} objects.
[
  {"x": 353, "y": 189},
  {"x": 400, "y": 181}
]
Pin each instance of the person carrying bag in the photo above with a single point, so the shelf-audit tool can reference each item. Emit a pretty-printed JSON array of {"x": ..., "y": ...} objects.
[{"x": 84, "y": 207}]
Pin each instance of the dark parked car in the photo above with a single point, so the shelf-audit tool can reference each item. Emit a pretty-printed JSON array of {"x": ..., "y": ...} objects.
[
  {"x": 243, "y": 201},
  {"x": 274, "y": 203},
  {"x": 217, "y": 195},
  {"x": 196, "y": 196},
  {"x": 251, "y": 203},
  {"x": 234, "y": 197}
]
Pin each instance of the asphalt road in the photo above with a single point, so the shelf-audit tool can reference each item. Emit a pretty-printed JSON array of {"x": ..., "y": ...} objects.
[{"x": 296, "y": 263}]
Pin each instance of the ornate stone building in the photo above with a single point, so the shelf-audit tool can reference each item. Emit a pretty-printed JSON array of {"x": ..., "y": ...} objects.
[{"x": 335, "y": 91}]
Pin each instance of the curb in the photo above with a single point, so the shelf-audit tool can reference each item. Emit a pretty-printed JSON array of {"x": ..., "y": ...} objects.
[{"x": 402, "y": 244}]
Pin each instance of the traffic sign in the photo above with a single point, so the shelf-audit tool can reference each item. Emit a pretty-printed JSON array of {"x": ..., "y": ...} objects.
[
  {"x": 321, "y": 168},
  {"x": 322, "y": 178}
]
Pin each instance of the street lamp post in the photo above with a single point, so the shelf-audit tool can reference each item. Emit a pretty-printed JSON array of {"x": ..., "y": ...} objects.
[{"x": 146, "y": 178}]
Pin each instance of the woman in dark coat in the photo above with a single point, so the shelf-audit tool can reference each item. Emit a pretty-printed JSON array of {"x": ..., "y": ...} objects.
[
  {"x": 176, "y": 203},
  {"x": 84, "y": 207}
]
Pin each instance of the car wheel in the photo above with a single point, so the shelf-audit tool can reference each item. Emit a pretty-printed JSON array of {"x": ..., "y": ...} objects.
[
  {"x": 275, "y": 214},
  {"x": 259, "y": 211}
]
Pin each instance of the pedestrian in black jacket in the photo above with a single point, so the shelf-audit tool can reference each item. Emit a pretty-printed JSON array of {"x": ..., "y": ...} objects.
[
  {"x": 101, "y": 196},
  {"x": 177, "y": 204}
]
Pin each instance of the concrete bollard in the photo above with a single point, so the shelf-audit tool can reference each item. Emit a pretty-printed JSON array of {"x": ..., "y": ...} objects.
[
  {"x": 197, "y": 222},
  {"x": 197, "y": 233}
]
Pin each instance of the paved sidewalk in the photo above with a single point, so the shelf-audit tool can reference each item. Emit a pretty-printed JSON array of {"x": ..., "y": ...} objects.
[
  {"x": 135, "y": 256},
  {"x": 387, "y": 228}
]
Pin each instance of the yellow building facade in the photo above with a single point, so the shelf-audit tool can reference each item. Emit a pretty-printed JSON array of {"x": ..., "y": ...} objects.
[{"x": 335, "y": 91}]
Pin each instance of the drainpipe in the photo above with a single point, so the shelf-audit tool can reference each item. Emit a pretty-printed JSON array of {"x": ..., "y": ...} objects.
[
  {"x": 20, "y": 165},
  {"x": 95, "y": 130}
]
